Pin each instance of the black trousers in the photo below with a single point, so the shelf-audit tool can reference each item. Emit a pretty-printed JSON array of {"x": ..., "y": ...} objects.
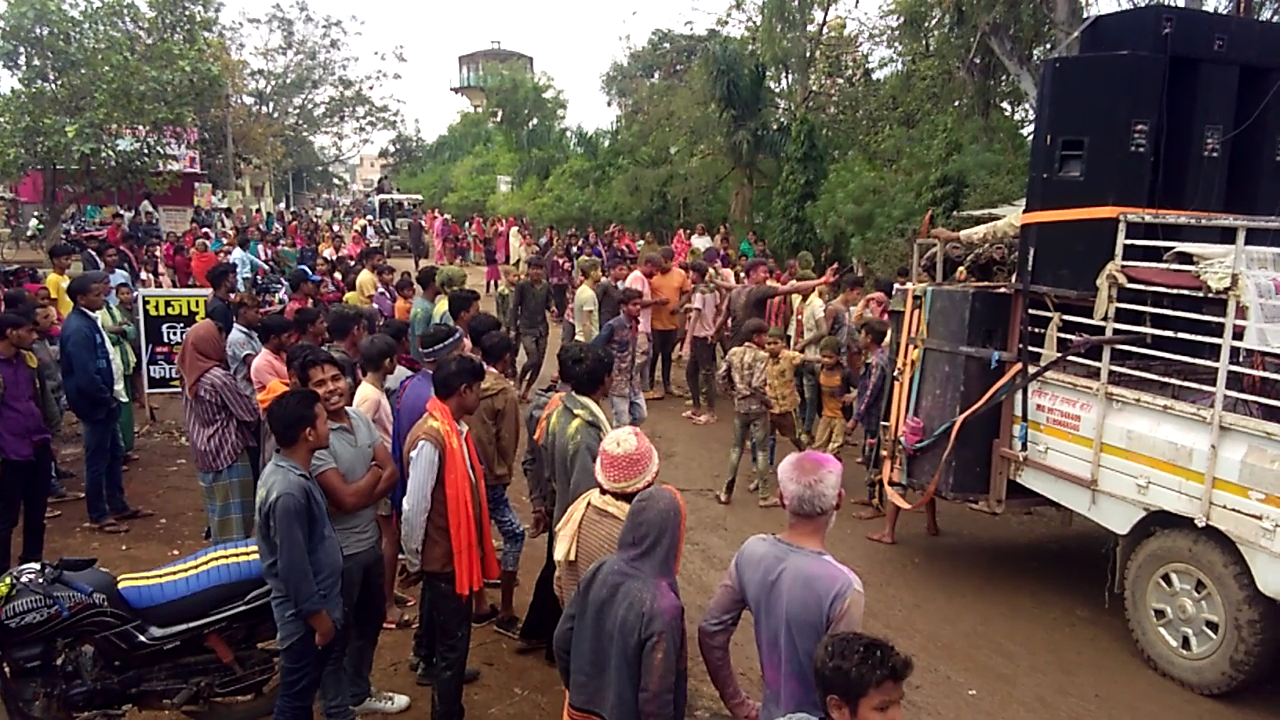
[
  {"x": 560, "y": 298},
  {"x": 664, "y": 343},
  {"x": 345, "y": 681},
  {"x": 544, "y": 607},
  {"x": 535, "y": 351},
  {"x": 450, "y": 626},
  {"x": 24, "y": 489},
  {"x": 700, "y": 372}
]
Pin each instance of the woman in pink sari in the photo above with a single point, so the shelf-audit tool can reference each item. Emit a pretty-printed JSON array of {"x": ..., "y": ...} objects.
[
  {"x": 438, "y": 230},
  {"x": 680, "y": 246}
]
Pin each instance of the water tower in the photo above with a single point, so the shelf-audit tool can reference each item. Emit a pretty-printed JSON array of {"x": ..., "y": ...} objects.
[{"x": 473, "y": 66}]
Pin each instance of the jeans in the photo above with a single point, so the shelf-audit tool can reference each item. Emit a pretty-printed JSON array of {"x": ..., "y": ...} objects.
[
  {"x": 301, "y": 664},
  {"x": 700, "y": 372},
  {"x": 56, "y": 487},
  {"x": 810, "y": 399},
  {"x": 345, "y": 682},
  {"x": 664, "y": 343},
  {"x": 508, "y": 524},
  {"x": 450, "y": 622},
  {"x": 756, "y": 428},
  {"x": 644, "y": 349},
  {"x": 103, "y": 467},
  {"x": 629, "y": 410},
  {"x": 544, "y": 607},
  {"x": 24, "y": 486}
]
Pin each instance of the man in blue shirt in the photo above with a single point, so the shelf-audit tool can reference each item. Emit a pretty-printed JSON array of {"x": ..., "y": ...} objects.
[{"x": 293, "y": 523}]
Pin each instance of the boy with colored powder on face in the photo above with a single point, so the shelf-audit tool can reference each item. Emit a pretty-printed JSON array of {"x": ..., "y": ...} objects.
[{"x": 859, "y": 677}]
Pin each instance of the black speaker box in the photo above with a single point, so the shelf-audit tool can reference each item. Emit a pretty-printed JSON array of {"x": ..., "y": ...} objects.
[
  {"x": 1098, "y": 121},
  {"x": 1199, "y": 122},
  {"x": 1098, "y": 126},
  {"x": 1185, "y": 33},
  {"x": 964, "y": 324},
  {"x": 1253, "y": 181}
]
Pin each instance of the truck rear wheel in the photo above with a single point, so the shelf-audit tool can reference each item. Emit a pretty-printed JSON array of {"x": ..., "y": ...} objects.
[{"x": 1197, "y": 615}]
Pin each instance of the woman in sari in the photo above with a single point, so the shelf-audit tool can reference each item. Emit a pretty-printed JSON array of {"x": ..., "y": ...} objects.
[{"x": 220, "y": 420}]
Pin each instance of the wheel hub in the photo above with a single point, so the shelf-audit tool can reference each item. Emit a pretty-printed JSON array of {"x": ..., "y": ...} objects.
[{"x": 1186, "y": 610}]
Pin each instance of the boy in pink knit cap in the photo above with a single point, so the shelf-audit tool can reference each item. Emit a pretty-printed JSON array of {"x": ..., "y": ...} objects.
[{"x": 627, "y": 464}]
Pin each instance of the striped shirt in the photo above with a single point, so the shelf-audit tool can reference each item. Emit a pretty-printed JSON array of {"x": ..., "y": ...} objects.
[
  {"x": 597, "y": 538},
  {"x": 220, "y": 419}
]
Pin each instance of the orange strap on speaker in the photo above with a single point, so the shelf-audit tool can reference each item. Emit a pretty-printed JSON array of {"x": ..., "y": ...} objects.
[
  {"x": 1101, "y": 212},
  {"x": 927, "y": 495}
]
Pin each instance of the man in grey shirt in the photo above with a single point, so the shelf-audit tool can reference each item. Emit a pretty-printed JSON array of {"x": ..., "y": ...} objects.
[
  {"x": 354, "y": 472},
  {"x": 796, "y": 592}
]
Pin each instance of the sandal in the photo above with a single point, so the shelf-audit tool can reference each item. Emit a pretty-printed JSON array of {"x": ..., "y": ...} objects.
[
  {"x": 404, "y": 622},
  {"x": 109, "y": 526},
  {"x": 51, "y": 513},
  {"x": 690, "y": 414},
  {"x": 67, "y": 496},
  {"x": 134, "y": 513},
  {"x": 404, "y": 601},
  {"x": 723, "y": 498}
]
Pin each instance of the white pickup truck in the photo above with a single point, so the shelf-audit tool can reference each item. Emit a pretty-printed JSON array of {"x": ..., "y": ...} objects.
[{"x": 1171, "y": 444}]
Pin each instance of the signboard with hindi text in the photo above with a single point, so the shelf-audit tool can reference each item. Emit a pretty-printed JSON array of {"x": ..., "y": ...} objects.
[{"x": 165, "y": 316}]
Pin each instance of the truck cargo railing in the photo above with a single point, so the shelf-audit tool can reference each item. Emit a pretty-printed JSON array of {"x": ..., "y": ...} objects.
[{"x": 1211, "y": 352}]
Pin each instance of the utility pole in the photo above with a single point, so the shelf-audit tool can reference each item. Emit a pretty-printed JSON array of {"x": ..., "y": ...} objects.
[{"x": 231, "y": 148}]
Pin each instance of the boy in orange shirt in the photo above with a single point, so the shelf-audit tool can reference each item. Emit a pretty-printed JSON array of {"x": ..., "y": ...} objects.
[{"x": 404, "y": 298}]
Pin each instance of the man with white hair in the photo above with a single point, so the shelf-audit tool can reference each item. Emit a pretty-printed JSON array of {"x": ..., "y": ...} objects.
[{"x": 796, "y": 592}]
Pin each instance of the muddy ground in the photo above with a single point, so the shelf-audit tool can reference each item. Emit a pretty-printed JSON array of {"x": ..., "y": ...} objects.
[{"x": 1006, "y": 617}]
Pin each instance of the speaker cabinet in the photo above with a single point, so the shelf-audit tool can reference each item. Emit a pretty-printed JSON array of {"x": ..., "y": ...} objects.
[
  {"x": 1184, "y": 33},
  {"x": 965, "y": 323},
  {"x": 1098, "y": 128}
]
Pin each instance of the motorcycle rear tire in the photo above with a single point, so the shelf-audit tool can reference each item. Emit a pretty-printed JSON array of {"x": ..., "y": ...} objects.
[{"x": 261, "y": 706}]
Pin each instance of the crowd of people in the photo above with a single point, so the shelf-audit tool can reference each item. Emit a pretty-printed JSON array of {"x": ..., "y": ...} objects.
[{"x": 367, "y": 438}]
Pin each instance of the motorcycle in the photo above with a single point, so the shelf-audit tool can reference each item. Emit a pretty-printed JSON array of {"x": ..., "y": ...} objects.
[{"x": 193, "y": 636}]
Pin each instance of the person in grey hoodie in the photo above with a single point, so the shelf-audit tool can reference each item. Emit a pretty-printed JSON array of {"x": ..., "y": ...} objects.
[{"x": 630, "y": 596}]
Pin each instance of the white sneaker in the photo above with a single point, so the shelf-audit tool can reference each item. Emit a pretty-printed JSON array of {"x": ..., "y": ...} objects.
[{"x": 383, "y": 703}]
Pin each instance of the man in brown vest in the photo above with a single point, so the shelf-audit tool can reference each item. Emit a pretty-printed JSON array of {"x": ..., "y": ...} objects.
[{"x": 445, "y": 530}]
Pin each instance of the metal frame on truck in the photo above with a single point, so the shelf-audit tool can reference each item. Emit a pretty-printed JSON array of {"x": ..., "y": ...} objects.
[{"x": 1172, "y": 444}]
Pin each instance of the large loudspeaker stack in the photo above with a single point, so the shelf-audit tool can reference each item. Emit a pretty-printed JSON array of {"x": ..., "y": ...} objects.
[{"x": 1163, "y": 108}]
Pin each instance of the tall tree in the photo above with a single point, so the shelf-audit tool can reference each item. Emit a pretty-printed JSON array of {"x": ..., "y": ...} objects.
[
  {"x": 101, "y": 92},
  {"x": 742, "y": 99},
  {"x": 302, "y": 80}
]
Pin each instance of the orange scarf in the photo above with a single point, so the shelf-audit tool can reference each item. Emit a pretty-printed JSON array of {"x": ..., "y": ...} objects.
[
  {"x": 274, "y": 389},
  {"x": 474, "y": 559},
  {"x": 541, "y": 430}
]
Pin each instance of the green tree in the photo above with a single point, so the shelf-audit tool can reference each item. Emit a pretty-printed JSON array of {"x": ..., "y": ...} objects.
[
  {"x": 742, "y": 99},
  {"x": 301, "y": 80},
  {"x": 101, "y": 91}
]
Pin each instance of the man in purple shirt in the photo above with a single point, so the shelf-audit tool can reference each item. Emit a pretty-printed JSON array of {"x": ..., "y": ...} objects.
[
  {"x": 26, "y": 456},
  {"x": 796, "y": 592}
]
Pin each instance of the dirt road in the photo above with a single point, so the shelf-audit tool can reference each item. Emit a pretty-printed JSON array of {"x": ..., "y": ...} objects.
[{"x": 1007, "y": 618}]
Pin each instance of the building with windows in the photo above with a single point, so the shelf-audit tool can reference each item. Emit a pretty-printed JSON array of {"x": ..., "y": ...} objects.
[
  {"x": 472, "y": 68},
  {"x": 368, "y": 170}
]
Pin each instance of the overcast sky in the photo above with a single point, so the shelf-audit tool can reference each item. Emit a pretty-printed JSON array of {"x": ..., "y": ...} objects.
[{"x": 573, "y": 41}]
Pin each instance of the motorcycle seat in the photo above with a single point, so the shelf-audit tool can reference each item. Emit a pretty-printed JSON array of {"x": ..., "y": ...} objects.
[
  {"x": 195, "y": 586},
  {"x": 100, "y": 581}
]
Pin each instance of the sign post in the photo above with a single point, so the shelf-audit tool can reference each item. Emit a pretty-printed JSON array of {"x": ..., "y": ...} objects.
[{"x": 165, "y": 316}]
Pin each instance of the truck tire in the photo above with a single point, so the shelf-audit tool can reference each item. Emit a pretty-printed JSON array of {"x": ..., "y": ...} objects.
[{"x": 1196, "y": 614}]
